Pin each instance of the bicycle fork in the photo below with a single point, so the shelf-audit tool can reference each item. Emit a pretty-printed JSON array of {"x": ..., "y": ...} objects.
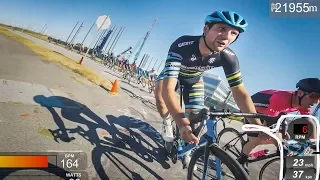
[{"x": 211, "y": 131}]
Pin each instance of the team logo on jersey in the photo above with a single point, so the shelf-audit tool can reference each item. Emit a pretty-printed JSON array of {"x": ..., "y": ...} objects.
[
  {"x": 193, "y": 58},
  {"x": 185, "y": 43},
  {"x": 211, "y": 60},
  {"x": 229, "y": 52}
]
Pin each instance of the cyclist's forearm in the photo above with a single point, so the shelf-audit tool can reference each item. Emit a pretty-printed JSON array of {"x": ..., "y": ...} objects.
[
  {"x": 174, "y": 108},
  {"x": 245, "y": 104}
]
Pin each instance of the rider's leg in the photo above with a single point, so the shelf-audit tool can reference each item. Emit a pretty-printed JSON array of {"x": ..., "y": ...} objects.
[
  {"x": 193, "y": 97},
  {"x": 167, "y": 132},
  {"x": 253, "y": 141}
]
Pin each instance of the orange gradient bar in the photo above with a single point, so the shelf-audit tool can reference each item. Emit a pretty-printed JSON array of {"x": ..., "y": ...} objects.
[{"x": 11, "y": 161}]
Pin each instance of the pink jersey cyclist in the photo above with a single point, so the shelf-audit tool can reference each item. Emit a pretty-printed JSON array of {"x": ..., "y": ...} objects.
[{"x": 272, "y": 102}]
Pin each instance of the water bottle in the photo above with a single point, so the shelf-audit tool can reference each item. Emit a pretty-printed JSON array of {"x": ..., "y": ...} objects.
[{"x": 259, "y": 153}]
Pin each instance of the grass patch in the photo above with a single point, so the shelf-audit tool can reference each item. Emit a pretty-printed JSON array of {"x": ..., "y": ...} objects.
[{"x": 59, "y": 59}]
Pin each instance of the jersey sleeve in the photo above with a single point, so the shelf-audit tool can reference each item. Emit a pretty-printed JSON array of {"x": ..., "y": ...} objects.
[
  {"x": 173, "y": 61},
  {"x": 231, "y": 68}
]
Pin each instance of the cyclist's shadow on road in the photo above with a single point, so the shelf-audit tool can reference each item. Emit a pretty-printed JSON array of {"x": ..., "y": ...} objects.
[{"x": 123, "y": 134}]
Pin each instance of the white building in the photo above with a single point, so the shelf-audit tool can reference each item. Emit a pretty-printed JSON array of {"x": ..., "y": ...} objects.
[{"x": 218, "y": 93}]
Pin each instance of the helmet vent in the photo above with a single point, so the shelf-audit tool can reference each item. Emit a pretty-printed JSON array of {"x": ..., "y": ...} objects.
[
  {"x": 226, "y": 14},
  {"x": 236, "y": 17}
]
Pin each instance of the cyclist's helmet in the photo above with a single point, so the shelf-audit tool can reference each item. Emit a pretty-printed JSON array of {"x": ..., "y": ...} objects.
[
  {"x": 228, "y": 17},
  {"x": 310, "y": 85}
]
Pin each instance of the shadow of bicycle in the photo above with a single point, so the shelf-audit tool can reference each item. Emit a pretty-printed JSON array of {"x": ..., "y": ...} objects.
[
  {"x": 146, "y": 102},
  {"x": 127, "y": 143}
]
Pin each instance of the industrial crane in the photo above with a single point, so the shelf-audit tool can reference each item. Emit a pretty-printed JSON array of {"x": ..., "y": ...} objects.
[{"x": 144, "y": 40}]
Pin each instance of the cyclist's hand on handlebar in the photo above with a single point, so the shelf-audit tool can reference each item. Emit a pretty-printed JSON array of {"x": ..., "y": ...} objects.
[{"x": 187, "y": 135}]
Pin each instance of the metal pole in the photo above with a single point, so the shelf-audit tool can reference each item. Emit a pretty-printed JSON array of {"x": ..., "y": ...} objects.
[
  {"x": 97, "y": 42},
  {"x": 87, "y": 34},
  {"x": 115, "y": 39},
  {"x": 76, "y": 34},
  {"x": 118, "y": 39},
  {"x": 72, "y": 32},
  {"x": 160, "y": 65},
  {"x": 155, "y": 63},
  {"x": 43, "y": 28},
  {"x": 144, "y": 56},
  {"x": 111, "y": 29},
  {"x": 145, "y": 62},
  {"x": 114, "y": 29},
  {"x": 149, "y": 63},
  {"x": 96, "y": 36},
  {"x": 113, "y": 33}
]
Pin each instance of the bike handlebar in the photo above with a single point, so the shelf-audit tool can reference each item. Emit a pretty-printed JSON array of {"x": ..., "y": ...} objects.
[{"x": 205, "y": 114}]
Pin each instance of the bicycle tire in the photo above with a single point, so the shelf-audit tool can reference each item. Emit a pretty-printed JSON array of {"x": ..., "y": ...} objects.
[
  {"x": 231, "y": 163},
  {"x": 232, "y": 130},
  {"x": 229, "y": 129},
  {"x": 264, "y": 167}
]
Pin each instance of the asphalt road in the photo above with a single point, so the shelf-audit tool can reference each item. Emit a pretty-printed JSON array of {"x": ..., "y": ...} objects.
[{"x": 45, "y": 107}]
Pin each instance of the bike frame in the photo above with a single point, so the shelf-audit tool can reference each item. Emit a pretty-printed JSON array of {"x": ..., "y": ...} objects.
[{"x": 206, "y": 140}]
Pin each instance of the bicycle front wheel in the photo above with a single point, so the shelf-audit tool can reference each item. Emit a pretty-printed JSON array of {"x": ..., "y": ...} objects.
[
  {"x": 229, "y": 167},
  {"x": 231, "y": 141}
]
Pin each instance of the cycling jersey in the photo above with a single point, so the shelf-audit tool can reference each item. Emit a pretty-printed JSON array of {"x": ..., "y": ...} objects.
[
  {"x": 272, "y": 102},
  {"x": 185, "y": 62}
]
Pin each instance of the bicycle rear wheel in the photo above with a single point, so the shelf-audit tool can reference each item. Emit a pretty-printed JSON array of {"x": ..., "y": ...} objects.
[
  {"x": 230, "y": 168},
  {"x": 230, "y": 140}
]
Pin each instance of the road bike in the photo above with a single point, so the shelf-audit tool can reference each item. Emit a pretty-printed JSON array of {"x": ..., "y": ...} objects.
[
  {"x": 128, "y": 75},
  {"x": 209, "y": 146},
  {"x": 142, "y": 79}
]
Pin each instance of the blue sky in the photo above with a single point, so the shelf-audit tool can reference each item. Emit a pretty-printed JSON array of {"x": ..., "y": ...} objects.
[{"x": 273, "y": 52}]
